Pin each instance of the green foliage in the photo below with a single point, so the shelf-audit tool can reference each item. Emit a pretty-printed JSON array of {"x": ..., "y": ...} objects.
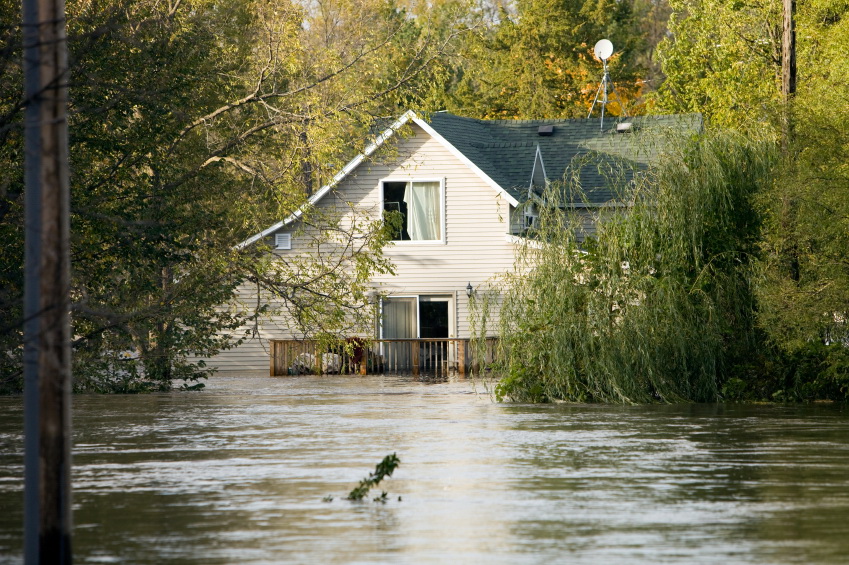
[
  {"x": 538, "y": 62},
  {"x": 325, "y": 291},
  {"x": 722, "y": 58},
  {"x": 659, "y": 307},
  {"x": 11, "y": 202},
  {"x": 383, "y": 469}
]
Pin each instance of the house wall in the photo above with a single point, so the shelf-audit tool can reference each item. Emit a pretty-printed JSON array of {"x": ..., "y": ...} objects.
[
  {"x": 475, "y": 247},
  {"x": 253, "y": 355}
]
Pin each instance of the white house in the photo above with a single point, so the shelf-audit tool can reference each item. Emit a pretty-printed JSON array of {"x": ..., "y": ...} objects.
[{"x": 460, "y": 185}]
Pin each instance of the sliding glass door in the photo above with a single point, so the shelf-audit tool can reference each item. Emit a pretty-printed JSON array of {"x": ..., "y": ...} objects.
[{"x": 412, "y": 317}]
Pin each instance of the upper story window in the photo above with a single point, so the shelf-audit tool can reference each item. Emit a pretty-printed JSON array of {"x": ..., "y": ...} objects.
[{"x": 420, "y": 205}]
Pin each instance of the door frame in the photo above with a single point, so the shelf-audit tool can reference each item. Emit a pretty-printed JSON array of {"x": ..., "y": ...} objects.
[{"x": 446, "y": 297}]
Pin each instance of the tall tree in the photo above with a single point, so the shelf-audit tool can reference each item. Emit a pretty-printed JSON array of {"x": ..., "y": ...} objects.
[
  {"x": 805, "y": 292},
  {"x": 538, "y": 62},
  {"x": 652, "y": 18},
  {"x": 656, "y": 307},
  {"x": 723, "y": 59}
]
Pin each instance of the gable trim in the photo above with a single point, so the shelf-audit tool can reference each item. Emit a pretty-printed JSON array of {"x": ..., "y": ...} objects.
[
  {"x": 337, "y": 178},
  {"x": 355, "y": 162},
  {"x": 537, "y": 159}
]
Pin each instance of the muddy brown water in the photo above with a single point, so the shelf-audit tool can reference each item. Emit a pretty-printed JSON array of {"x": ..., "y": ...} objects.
[{"x": 237, "y": 474}]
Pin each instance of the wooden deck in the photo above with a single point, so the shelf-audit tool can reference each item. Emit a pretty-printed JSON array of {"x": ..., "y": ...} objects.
[{"x": 432, "y": 357}]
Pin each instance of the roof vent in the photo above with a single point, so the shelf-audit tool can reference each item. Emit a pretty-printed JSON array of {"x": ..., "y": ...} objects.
[
  {"x": 283, "y": 241},
  {"x": 624, "y": 127},
  {"x": 545, "y": 130}
]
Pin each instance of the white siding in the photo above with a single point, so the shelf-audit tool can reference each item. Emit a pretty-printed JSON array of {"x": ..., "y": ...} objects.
[{"x": 252, "y": 356}]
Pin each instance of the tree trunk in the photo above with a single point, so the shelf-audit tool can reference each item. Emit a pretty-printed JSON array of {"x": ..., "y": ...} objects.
[
  {"x": 788, "y": 90},
  {"x": 306, "y": 162}
]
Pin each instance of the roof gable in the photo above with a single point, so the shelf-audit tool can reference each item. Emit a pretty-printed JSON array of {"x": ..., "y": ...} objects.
[
  {"x": 511, "y": 155},
  {"x": 538, "y": 176},
  {"x": 356, "y": 161}
]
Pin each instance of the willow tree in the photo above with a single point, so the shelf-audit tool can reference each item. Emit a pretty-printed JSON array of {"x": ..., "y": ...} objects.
[
  {"x": 659, "y": 306},
  {"x": 723, "y": 58}
]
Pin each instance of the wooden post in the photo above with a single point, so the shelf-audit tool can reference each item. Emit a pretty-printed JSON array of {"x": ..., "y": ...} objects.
[
  {"x": 461, "y": 356},
  {"x": 47, "y": 335},
  {"x": 317, "y": 354},
  {"x": 415, "y": 356}
]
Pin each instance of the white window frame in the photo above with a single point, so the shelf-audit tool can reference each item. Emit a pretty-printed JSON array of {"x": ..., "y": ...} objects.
[
  {"x": 442, "y": 226},
  {"x": 451, "y": 299}
]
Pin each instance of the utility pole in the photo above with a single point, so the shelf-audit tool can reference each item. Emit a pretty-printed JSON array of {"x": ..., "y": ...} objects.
[
  {"x": 788, "y": 50},
  {"x": 47, "y": 353},
  {"x": 790, "y": 250},
  {"x": 788, "y": 65}
]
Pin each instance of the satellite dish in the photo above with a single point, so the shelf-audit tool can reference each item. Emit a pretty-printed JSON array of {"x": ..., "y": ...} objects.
[{"x": 603, "y": 49}]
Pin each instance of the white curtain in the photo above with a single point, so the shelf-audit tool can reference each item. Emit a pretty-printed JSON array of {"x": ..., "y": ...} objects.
[
  {"x": 399, "y": 318},
  {"x": 424, "y": 221}
]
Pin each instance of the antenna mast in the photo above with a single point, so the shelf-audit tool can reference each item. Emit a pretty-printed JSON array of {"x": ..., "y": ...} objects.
[{"x": 603, "y": 50}]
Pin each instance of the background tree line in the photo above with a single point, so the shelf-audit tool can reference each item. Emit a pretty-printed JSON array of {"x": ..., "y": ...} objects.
[{"x": 195, "y": 123}]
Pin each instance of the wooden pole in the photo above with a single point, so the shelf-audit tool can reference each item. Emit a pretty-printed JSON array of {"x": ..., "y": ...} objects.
[
  {"x": 788, "y": 91},
  {"x": 47, "y": 353},
  {"x": 788, "y": 51},
  {"x": 318, "y": 358},
  {"x": 788, "y": 68}
]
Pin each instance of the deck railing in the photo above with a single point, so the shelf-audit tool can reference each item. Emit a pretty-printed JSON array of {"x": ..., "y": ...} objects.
[{"x": 432, "y": 357}]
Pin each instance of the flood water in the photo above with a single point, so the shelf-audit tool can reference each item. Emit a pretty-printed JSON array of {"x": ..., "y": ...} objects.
[{"x": 237, "y": 474}]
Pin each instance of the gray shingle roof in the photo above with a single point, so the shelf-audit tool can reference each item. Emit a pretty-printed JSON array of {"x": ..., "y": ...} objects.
[{"x": 505, "y": 149}]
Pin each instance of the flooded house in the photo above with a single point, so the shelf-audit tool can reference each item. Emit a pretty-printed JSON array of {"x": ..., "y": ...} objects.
[{"x": 464, "y": 189}]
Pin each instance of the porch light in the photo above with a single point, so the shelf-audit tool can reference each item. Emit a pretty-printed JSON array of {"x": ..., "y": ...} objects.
[{"x": 469, "y": 290}]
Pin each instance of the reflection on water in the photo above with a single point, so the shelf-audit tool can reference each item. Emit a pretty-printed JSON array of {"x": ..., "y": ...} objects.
[{"x": 236, "y": 474}]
